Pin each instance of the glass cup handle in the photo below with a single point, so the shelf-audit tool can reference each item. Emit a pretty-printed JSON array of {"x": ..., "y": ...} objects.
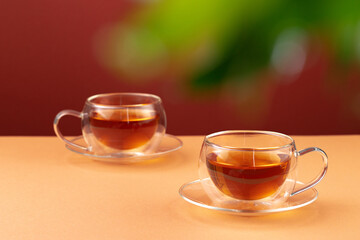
[
  {"x": 57, "y": 130},
  {"x": 320, "y": 176}
]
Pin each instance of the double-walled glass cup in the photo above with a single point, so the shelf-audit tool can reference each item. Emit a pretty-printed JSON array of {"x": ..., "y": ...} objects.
[
  {"x": 119, "y": 124},
  {"x": 252, "y": 167}
]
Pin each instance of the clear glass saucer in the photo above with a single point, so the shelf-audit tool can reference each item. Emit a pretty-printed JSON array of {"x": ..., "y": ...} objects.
[
  {"x": 194, "y": 193},
  {"x": 168, "y": 144}
]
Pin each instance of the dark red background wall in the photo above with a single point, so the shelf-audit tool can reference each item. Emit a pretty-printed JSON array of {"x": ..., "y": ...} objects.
[{"x": 47, "y": 63}]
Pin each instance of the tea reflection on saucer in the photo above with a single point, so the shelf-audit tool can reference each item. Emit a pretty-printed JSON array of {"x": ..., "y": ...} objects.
[
  {"x": 168, "y": 144},
  {"x": 194, "y": 193}
]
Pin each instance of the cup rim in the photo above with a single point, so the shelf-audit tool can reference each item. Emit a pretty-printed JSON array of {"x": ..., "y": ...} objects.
[
  {"x": 156, "y": 98},
  {"x": 208, "y": 142}
]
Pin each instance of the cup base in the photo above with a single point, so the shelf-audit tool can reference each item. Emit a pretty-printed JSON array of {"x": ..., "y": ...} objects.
[
  {"x": 194, "y": 193},
  {"x": 169, "y": 143}
]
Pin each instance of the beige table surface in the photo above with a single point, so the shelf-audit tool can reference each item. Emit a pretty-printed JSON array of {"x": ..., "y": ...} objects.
[{"x": 48, "y": 192}]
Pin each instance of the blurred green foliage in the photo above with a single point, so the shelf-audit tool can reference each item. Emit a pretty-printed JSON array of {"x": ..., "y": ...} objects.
[{"x": 238, "y": 36}]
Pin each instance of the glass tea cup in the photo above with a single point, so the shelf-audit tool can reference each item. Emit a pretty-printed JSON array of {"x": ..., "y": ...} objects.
[
  {"x": 252, "y": 168},
  {"x": 119, "y": 124}
]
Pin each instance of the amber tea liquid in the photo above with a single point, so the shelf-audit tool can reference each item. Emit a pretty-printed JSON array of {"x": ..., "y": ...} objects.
[
  {"x": 124, "y": 129},
  {"x": 248, "y": 175}
]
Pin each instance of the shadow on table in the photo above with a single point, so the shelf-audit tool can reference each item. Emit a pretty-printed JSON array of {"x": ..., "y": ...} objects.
[
  {"x": 307, "y": 215},
  {"x": 169, "y": 161}
]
